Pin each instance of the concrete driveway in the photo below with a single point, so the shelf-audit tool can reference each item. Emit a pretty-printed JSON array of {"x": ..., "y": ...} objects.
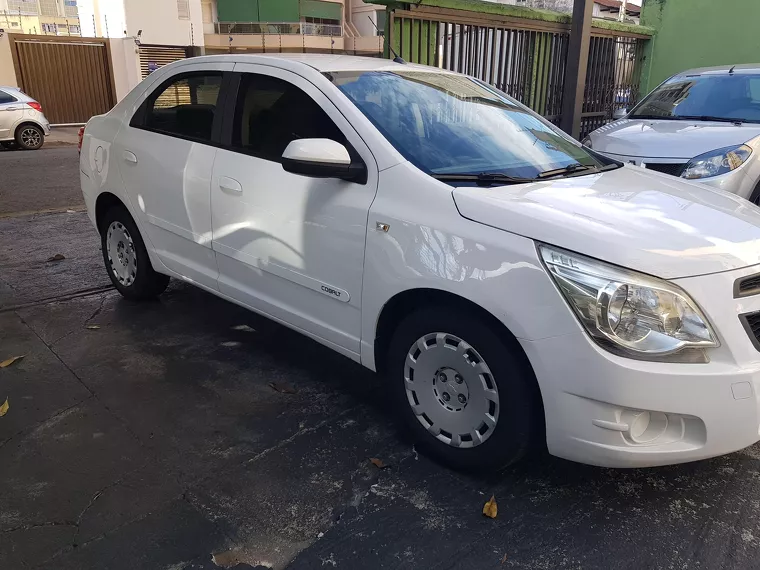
[{"x": 190, "y": 434}]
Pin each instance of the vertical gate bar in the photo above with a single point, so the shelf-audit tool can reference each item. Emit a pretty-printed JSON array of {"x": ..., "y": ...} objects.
[
  {"x": 492, "y": 66},
  {"x": 446, "y": 64},
  {"x": 460, "y": 62}
]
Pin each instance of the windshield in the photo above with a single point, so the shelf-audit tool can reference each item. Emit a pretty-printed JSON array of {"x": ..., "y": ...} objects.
[
  {"x": 449, "y": 124},
  {"x": 729, "y": 97}
]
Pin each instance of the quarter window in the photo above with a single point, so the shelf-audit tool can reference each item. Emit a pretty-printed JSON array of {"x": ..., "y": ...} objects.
[
  {"x": 6, "y": 98},
  {"x": 271, "y": 113},
  {"x": 185, "y": 107}
]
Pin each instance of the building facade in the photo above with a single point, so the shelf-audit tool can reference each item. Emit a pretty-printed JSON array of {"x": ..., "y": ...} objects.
[
  {"x": 293, "y": 25},
  {"x": 44, "y": 17}
]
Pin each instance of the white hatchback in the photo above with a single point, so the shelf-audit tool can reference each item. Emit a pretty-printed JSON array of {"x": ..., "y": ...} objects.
[
  {"x": 507, "y": 282},
  {"x": 22, "y": 123}
]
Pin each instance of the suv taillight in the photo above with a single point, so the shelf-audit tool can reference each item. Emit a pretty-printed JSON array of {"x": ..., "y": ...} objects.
[
  {"x": 81, "y": 136},
  {"x": 36, "y": 106}
]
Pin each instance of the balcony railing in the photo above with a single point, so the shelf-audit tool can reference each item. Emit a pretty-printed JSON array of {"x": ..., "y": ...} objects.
[{"x": 284, "y": 28}]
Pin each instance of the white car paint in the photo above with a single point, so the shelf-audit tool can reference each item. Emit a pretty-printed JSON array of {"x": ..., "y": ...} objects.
[
  {"x": 15, "y": 112},
  {"x": 325, "y": 256},
  {"x": 647, "y": 141}
]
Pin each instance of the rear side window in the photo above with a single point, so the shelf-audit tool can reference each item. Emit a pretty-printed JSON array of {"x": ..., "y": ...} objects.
[
  {"x": 271, "y": 113},
  {"x": 6, "y": 97},
  {"x": 185, "y": 106}
]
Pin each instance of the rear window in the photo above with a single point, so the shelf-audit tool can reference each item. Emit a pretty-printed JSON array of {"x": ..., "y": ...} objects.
[{"x": 727, "y": 97}]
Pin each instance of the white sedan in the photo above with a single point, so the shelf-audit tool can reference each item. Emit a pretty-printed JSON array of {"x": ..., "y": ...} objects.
[
  {"x": 702, "y": 124},
  {"x": 508, "y": 283}
]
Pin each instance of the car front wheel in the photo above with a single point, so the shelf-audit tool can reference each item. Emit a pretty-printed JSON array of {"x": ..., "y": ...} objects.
[
  {"x": 30, "y": 137},
  {"x": 126, "y": 258},
  {"x": 465, "y": 393}
]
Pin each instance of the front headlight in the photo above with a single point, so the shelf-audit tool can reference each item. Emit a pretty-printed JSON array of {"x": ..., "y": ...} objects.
[
  {"x": 716, "y": 162},
  {"x": 632, "y": 314}
]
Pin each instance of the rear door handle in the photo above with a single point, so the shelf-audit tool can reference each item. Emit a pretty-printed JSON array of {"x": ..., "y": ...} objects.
[
  {"x": 230, "y": 185},
  {"x": 10, "y": 108},
  {"x": 130, "y": 157}
]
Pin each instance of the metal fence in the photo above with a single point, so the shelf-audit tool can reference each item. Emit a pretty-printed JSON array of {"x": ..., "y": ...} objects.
[
  {"x": 283, "y": 28},
  {"x": 524, "y": 58}
]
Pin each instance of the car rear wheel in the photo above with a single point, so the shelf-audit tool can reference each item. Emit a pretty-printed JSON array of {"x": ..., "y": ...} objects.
[
  {"x": 30, "y": 137},
  {"x": 467, "y": 396},
  {"x": 126, "y": 258}
]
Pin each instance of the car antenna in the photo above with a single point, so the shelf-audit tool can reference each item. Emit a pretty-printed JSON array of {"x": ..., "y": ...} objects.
[
  {"x": 731, "y": 71},
  {"x": 396, "y": 58}
]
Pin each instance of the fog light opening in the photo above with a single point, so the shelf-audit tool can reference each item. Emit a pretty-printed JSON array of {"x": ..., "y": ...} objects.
[{"x": 647, "y": 427}]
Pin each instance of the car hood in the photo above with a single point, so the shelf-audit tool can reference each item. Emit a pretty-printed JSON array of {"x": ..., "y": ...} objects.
[
  {"x": 642, "y": 220},
  {"x": 669, "y": 139}
]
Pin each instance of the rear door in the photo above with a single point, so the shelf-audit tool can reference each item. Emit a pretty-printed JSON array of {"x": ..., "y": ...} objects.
[
  {"x": 165, "y": 156},
  {"x": 10, "y": 111}
]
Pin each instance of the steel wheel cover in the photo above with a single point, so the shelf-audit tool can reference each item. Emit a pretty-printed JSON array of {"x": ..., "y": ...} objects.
[
  {"x": 122, "y": 257},
  {"x": 451, "y": 390}
]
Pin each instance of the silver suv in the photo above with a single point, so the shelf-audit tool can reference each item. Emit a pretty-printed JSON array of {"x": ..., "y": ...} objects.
[{"x": 21, "y": 120}]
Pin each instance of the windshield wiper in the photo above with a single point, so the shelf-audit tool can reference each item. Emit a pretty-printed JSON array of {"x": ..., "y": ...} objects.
[
  {"x": 711, "y": 118},
  {"x": 569, "y": 169},
  {"x": 483, "y": 179}
]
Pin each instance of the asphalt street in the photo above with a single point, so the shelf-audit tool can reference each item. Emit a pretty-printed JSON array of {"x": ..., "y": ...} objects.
[{"x": 188, "y": 433}]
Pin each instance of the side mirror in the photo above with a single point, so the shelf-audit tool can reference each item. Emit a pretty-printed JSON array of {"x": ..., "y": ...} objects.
[
  {"x": 620, "y": 114},
  {"x": 322, "y": 158}
]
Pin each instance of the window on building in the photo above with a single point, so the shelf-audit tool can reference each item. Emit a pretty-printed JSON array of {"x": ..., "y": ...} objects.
[
  {"x": 271, "y": 113},
  {"x": 380, "y": 16},
  {"x": 23, "y": 7},
  {"x": 6, "y": 97},
  {"x": 63, "y": 27},
  {"x": 49, "y": 29},
  {"x": 184, "y": 107},
  {"x": 325, "y": 21},
  {"x": 49, "y": 8},
  {"x": 183, "y": 9},
  {"x": 75, "y": 30}
]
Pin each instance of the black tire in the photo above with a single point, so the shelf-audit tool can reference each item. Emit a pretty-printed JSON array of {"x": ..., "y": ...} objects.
[
  {"x": 146, "y": 283},
  {"x": 520, "y": 415},
  {"x": 30, "y": 137}
]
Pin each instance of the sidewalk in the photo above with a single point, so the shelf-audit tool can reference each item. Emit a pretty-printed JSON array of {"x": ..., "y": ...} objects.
[{"x": 60, "y": 136}]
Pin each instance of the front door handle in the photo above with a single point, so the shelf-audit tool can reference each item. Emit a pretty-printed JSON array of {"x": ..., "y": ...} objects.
[
  {"x": 130, "y": 157},
  {"x": 230, "y": 185}
]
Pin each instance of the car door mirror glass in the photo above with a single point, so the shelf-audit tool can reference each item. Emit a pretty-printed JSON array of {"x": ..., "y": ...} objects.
[{"x": 320, "y": 158}]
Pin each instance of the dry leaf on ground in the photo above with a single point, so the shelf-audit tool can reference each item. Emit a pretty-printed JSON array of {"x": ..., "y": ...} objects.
[
  {"x": 504, "y": 559},
  {"x": 4, "y": 408},
  {"x": 57, "y": 257},
  {"x": 244, "y": 328},
  {"x": 282, "y": 387},
  {"x": 7, "y": 363},
  {"x": 379, "y": 463},
  {"x": 92, "y": 327},
  {"x": 489, "y": 509}
]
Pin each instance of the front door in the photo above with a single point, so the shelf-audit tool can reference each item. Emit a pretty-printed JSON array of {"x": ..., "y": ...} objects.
[
  {"x": 290, "y": 246},
  {"x": 165, "y": 157},
  {"x": 10, "y": 111}
]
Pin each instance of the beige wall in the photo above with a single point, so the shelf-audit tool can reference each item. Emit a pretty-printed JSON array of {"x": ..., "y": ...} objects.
[
  {"x": 125, "y": 64},
  {"x": 7, "y": 73}
]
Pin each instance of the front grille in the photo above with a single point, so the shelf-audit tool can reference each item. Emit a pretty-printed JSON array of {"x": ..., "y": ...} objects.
[
  {"x": 674, "y": 169},
  {"x": 751, "y": 322},
  {"x": 747, "y": 286}
]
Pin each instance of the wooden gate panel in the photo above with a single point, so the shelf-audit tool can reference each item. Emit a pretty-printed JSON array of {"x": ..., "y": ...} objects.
[{"x": 71, "y": 79}]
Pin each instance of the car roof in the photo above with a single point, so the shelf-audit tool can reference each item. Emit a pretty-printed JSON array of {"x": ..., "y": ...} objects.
[
  {"x": 16, "y": 91},
  {"x": 323, "y": 62},
  {"x": 721, "y": 69}
]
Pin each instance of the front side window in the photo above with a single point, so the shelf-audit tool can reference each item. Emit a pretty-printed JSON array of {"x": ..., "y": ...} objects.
[
  {"x": 719, "y": 97},
  {"x": 6, "y": 97},
  {"x": 185, "y": 107},
  {"x": 448, "y": 124},
  {"x": 271, "y": 113}
]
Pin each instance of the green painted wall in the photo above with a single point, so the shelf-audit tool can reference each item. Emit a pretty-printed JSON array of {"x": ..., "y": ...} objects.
[
  {"x": 276, "y": 10},
  {"x": 698, "y": 33},
  {"x": 238, "y": 10}
]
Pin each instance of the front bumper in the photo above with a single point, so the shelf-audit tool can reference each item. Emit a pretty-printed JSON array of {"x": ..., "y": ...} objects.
[
  {"x": 741, "y": 181},
  {"x": 617, "y": 412}
]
